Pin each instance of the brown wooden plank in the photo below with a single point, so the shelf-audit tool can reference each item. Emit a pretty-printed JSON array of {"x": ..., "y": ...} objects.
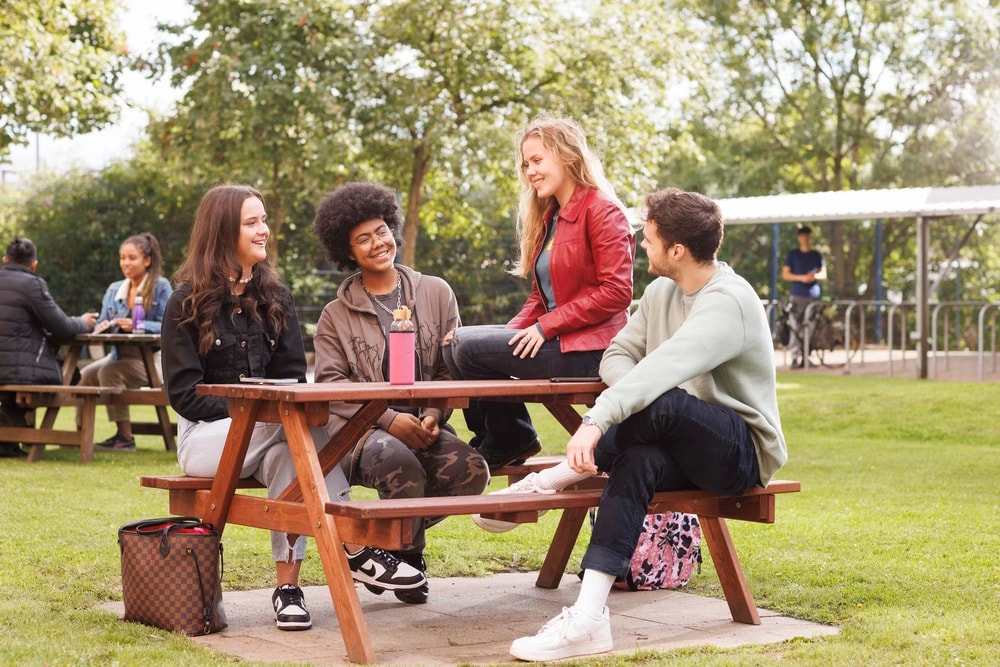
[
  {"x": 561, "y": 548},
  {"x": 340, "y": 444},
  {"x": 727, "y": 566}
]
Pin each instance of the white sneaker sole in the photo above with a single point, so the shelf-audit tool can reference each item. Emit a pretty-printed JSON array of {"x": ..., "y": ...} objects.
[
  {"x": 590, "y": 647},
  {"x": 293, "y": 625},
  {"x": 496, "y": 526}
]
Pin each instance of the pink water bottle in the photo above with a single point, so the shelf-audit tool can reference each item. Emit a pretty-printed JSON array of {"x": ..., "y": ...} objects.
[{"x": 401, "y": 346}]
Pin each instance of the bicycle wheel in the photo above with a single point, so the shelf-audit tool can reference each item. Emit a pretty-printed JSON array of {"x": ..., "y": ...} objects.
[
  {"x": 855, "y": 340},
  {"x": 823, "y": 339}
]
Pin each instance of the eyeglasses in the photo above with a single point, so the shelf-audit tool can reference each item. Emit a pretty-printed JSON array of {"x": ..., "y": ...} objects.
[{"x": 365, "y": 241}]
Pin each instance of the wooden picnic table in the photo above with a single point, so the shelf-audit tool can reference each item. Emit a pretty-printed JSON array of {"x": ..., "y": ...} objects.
[
  {"x": 297, "y": 407},
  {"x": 154, "y": 394},
  {"x": 86, "y": 400},
  {"x": 305, "y": 508}
]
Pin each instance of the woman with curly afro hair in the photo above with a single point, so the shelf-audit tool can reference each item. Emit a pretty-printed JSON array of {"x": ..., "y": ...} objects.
[{"x": 409, "y": 452}]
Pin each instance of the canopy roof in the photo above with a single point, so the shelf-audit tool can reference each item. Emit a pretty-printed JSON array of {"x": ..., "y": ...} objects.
[{"x": 862, "y": 205}]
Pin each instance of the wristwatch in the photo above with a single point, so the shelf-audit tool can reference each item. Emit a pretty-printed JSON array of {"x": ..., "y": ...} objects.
[{"x": 589, "y": 421}]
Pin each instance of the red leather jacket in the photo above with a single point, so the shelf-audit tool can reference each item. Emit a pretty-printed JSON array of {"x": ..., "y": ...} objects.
[{"x": 591, "y": 272}]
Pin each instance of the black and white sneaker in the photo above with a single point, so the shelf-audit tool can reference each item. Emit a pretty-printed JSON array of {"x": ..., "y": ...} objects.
[
  {"x": 379, "y": 569},
  {"x": 290, "y": 608},
  {"x": 420, "y": 594}
]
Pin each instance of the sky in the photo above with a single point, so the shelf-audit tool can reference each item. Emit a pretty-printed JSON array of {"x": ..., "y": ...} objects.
[{"x": 97, "y": 149}]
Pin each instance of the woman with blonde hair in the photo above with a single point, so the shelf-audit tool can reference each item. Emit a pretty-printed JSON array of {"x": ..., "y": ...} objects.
[{"x": 579, "y": 248}]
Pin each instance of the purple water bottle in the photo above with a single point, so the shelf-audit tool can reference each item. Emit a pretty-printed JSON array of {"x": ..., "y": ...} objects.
[
  {"x": 401, "y": 347},
  {"x": 138, "y": 316}
]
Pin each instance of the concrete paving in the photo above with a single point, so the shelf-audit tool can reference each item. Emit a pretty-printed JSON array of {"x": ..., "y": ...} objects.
[{"x": 474, "y": 620}]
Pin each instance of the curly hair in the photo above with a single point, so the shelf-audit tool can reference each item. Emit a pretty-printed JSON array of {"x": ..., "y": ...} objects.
[{"x": 347, "y": 207}]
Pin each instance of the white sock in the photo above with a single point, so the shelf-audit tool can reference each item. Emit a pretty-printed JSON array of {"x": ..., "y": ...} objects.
[
  {"x": 594, "y": 592},
  {"x": 559, "y": 476}
]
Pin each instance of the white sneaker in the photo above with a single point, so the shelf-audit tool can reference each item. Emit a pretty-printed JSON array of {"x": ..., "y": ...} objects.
[
  {"x": 569, "y": 634},
  {"x": 527, "y": 485}
]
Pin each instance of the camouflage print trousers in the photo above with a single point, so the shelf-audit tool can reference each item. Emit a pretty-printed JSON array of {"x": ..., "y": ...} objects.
[{"x": 449, "y": 467}]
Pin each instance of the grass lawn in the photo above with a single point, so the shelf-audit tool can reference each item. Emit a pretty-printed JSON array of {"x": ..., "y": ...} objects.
[{"x": 895, "y": 538}]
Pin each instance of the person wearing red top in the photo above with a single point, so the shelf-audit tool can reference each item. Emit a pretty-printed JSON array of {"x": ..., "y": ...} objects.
[{"x": 579, "y": 248}]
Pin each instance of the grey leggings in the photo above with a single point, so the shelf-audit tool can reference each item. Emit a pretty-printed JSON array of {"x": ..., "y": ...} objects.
[{"x": 268, "y": 460}]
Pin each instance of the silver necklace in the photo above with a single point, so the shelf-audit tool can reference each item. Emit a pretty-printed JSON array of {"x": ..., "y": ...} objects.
[{"x": 378, "y": 302}]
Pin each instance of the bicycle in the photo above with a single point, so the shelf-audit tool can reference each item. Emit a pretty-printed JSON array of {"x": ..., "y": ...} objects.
[{"x": 827, "y": 336}]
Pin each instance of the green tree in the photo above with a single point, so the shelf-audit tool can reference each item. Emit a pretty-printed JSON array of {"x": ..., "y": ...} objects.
[
  {"x": 261, "y": 103},
  {"x": 814, "y": 96},
  {"x": 61, "y": 67},
  {"x": 78, "y": 221},
  {"x": 424, "y": 96}
]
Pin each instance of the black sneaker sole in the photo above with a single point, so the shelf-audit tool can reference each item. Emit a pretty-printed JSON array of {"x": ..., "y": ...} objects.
[
  {"x": 516, "y": 459},
  {"x": 415, "y": 596}
]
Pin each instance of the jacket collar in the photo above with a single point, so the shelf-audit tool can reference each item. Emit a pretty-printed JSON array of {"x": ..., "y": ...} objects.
[{"x": 576, "y": 205}]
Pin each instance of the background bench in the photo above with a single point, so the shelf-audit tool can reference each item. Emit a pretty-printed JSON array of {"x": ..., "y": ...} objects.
[
  {"x": 85, "y": 399},
  {"x": 52, "y": 398}
]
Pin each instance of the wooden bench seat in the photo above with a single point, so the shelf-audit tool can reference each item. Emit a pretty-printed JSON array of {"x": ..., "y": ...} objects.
[
  {"x": 85, "y": 399},
  {"x": 52, "y": 398},
  {"x": 388, "y": 523}
]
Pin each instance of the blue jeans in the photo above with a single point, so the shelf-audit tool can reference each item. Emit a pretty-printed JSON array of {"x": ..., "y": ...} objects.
[
  {"x": 678, "y": 442},
  {"x": 482, "y": 353}
]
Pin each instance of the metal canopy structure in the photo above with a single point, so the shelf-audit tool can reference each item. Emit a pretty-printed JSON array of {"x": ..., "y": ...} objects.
[
  {"x": 921, "y": 204},
  {"x": 862, "y": 205}
]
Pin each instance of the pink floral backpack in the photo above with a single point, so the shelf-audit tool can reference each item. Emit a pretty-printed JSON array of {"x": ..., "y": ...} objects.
[{"x": 667, "y": 553}]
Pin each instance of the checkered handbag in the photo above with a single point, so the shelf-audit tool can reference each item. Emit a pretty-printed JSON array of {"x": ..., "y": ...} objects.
[{"x": 172, "y": 575}]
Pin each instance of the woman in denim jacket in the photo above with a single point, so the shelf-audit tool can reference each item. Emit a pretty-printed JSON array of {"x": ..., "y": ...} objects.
[{"x": 142, "y": 266}]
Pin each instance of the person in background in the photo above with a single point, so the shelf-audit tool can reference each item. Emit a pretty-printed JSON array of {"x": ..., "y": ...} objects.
[
  {"x": 31, "y": 324},
  {"x": 141, "y": 264},
  {"x": 804, "y": 268},
  {"x": 408, "y": 452},
  {"x": 691, "y": 403},
  {"x": 578, "y": 245},
  {"x": 231, "y": 317}
]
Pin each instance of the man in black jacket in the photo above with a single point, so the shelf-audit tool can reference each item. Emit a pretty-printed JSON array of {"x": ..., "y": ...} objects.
[{"x": 30, "y": 321}]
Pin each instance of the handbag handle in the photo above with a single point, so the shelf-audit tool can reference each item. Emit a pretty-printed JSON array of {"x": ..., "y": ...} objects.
[{"x": 169, "y": 523}]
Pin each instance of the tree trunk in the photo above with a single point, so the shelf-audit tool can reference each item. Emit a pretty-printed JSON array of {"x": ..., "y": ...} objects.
[{"x": 411, "y": 224}]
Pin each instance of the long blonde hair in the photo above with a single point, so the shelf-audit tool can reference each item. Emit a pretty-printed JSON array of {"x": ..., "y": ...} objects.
[{"x": 567, "y": 143}]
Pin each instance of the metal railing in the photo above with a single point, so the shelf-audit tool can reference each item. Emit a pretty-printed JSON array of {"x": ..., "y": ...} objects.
[{"x": 955, "y": 326}]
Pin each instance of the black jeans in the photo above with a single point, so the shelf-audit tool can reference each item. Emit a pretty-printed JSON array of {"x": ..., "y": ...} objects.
[
  {"x": 678, "y": 442},
  {"x": 482, "y": 353}
]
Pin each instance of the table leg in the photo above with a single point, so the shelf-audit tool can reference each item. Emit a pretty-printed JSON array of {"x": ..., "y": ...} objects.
[
  {"x": 340, "y": 444},
  {"x": 244, "y": 414},
  {"x": 565, "y": 415},
  {"x": 331, "y": 550},
  {"x": 162, "y": 416},
  {"x": 561, "y": 548},
  {"x": 727, "y": 566},
  {"x": 71, "y": 361},
  {"x": 88, "y": 416}
]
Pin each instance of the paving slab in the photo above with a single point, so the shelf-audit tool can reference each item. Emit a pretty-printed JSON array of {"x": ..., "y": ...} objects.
[{"x": 473, "y": 621}]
